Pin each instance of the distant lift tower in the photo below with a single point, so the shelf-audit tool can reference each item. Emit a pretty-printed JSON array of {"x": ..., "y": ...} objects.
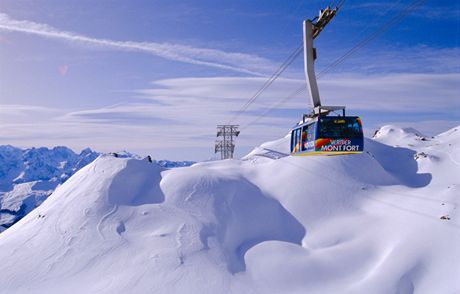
[
  {"x": 311, "y": 29},
  {"x": 226, "y": 145}
]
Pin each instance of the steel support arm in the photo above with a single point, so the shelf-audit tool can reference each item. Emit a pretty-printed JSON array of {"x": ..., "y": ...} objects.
[{"x": 309, "y": 59}]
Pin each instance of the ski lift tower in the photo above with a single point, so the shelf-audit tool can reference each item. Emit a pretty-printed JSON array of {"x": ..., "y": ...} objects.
[
  {"x": 226, "y": 147},
  {"x": 311, "y": 30}
]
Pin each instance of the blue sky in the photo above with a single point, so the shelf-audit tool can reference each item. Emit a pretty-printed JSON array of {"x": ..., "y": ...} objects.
[{"x": 156, "y": 77}]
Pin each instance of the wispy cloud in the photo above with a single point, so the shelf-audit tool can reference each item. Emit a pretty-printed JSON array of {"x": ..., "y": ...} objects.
[
  {"x": 392, "y": 59},
  {"x": 406, "y": 93},
  {"x": 14, "y": 113},
  {"x": 121, "y": 114},
  {"x": 231, "y": 61},
  {"x": 181, "y": 112},
  {"x": 190, "y": 107}
]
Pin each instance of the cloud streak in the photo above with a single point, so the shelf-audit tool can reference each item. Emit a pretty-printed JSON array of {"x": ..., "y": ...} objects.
[
  {"x": 404, "y": 93},
  {"x": 396, "y": 59},
  {"x": 198, "y": 104},
  {"x": 174, "y": 113},
  {"x": 214, "y": 58}
]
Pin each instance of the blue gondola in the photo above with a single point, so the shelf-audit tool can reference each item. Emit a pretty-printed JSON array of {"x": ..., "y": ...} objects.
[
  {"x": 328, "y": 135},
  {"x": 322, "y": 133}
]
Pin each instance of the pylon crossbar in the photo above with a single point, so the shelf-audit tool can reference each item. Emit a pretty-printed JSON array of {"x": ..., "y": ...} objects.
[{"x": 226, "y": 146}]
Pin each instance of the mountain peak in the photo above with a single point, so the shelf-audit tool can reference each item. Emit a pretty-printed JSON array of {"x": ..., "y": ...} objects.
[{"x": 398, "y": 136}]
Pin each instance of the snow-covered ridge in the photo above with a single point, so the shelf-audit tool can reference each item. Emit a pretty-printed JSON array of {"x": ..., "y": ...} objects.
[
  {"x": 384, "y": 221},
  {"x": 34, "y": 164},
  {"x": 29, "y": 176},
  {"x": 394, "y": 135}
]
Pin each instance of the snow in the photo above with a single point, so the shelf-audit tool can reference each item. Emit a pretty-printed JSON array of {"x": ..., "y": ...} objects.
[
  {"x": 384, "y": 221},
  {"x": 28, "y": 177},
  {"x": 394, "y": 135}
]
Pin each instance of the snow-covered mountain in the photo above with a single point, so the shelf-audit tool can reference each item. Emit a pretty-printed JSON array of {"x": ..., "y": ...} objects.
[
  {"x": 394, "y": 135},
  {"x": 384, "y": 221},
  {"x": 28, "y": 177}
]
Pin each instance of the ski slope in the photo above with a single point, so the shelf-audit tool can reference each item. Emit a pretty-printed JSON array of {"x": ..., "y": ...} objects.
[{"x": 385, "y": 221}]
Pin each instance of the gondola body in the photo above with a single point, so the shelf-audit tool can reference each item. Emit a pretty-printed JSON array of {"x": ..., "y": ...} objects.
[{"x": 328, "y": 135}]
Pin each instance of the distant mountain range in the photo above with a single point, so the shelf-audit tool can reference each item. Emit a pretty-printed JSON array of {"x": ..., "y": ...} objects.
[{"x": 29, "y": 176}]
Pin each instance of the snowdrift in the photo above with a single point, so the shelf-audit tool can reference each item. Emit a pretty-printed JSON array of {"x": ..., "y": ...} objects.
[
  {"x": 384, "y": 221},
  {"x": 29, "y": 176}
]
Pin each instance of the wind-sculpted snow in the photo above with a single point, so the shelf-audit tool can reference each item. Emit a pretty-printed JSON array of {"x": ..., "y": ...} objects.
[
  {"x": 233, "y": 213},
  {"x": 384, "y": 221},
  {"x": 134, "y": 186},
  {"x": 396, "y": 136},
  {"x": 406, "y": 168},
  {"x": 28, "y": 177}
]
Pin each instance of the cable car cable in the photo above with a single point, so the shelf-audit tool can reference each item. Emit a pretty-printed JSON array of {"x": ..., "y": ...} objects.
[
  {"x": 377, "y": 21},
  {"x": 275, "y": 75},
  {"x": 393, "y": 21},
  {"x": 287, "y": 98},
  {"x": 268, "y": 82}
]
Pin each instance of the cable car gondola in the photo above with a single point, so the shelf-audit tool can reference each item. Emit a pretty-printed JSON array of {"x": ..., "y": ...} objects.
[
  {"x": 327, "y": 135},
  {"x": 321, "y": 133}
]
